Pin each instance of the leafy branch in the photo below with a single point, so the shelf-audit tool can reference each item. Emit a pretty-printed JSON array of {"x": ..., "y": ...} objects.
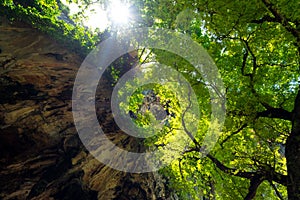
[{"x": 279, "y": 17}]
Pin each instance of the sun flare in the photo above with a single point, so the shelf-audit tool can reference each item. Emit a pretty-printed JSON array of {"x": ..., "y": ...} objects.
[{"x": 119, "y": 13}]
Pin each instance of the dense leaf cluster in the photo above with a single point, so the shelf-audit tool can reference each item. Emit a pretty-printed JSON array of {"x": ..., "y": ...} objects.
[{"x": 51, "y": 17}]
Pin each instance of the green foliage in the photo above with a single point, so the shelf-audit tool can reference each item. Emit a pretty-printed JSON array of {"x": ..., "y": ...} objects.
[
  {"x": 258, "y": 56},
  {"x": 164, "y": 98},
  {"x": 44, "y": 15}
]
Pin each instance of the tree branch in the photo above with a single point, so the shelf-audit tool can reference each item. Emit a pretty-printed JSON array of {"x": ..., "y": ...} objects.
[
  {"x": 254, "y": 65},
  {"x": 229, "y": 170},
  {"x": 276, "y": 190},
  {"x": 234, "y": 133},
  {"x": 279, "y": 113},
  {"x": 267, "y": 172},
  {"x": 183, "y": 122},
  {"x": 266, "y": 18},
  {"x": 270, "y": 112},
  {"x": 245, "y": 57},
  {"x": 254, "y": 184},
  {"x": 180, "y": 170},
  {"x": 278, "y": 17}
]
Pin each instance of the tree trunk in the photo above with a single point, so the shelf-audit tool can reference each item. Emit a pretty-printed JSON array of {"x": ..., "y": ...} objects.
[
  {"x": 41, "y": 156},
  {"x": 293, "y": 154}
]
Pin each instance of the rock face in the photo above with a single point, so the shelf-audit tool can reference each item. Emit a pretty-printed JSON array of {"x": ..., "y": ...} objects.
[{"x": 41, "y": 156}]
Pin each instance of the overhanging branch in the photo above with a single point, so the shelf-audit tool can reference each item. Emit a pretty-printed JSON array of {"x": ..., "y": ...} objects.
[
  {"x": 254, "y": 184},
  {"x": 267, "y": 173},
  {"x": 278, "y": 113},
  {"x": 279, "y": 17},
  {"x": 266, "y": 18},
  {"x": 229, "y": 170},
  {"x": 234, "y": 133}
]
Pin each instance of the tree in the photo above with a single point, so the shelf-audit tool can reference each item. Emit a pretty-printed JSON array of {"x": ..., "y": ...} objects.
[{"x": 256, "y": 46}]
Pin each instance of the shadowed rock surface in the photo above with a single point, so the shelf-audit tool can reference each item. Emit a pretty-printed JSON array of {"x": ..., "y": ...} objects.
[{"x": 41, "y": 156}]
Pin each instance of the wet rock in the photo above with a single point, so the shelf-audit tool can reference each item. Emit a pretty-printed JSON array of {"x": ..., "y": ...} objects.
[
  {"x": 11, "y": 143},
  {"x": 12, "y": 90},
  {"x": 71, "y": 145},
  {"x": 75, "y": 190},
  {"x": 37, "y": 189}
]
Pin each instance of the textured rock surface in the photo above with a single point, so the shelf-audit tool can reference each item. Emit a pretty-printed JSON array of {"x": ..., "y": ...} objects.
[{"x": 41, "y": 156}]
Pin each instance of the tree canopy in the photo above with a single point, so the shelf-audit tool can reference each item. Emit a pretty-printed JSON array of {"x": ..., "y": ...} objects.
[{"x": 256, "y": 47}]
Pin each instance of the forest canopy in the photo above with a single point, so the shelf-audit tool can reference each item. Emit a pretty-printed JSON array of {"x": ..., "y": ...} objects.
[{"x": 256, "y": 48}]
